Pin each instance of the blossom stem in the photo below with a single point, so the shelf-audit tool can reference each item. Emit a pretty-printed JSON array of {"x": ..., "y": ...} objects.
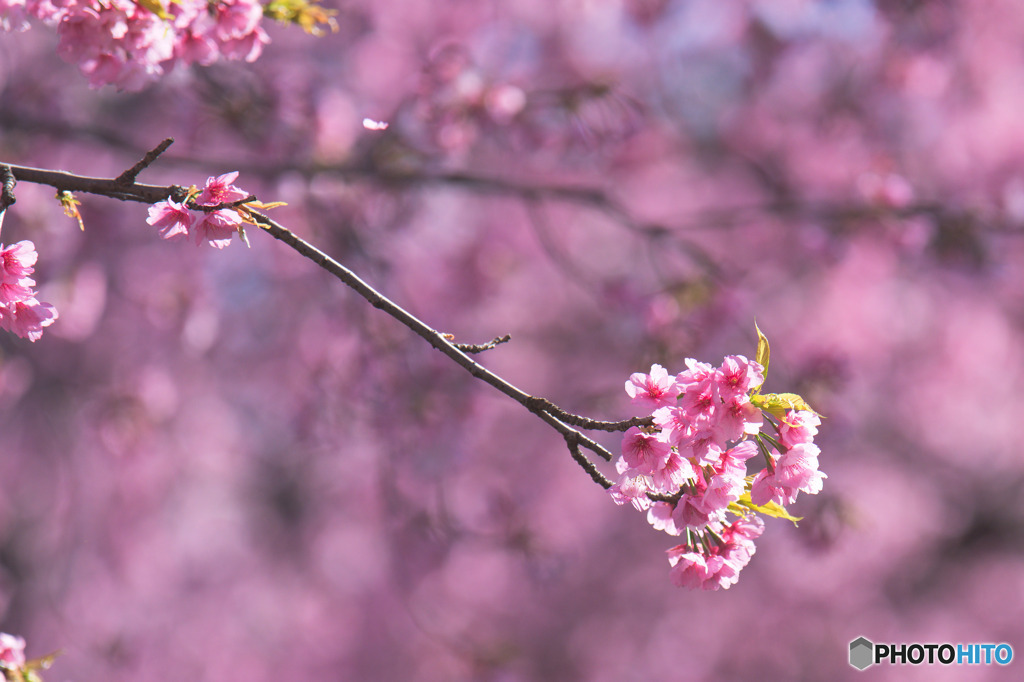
[{"x": 764, "y": 451}]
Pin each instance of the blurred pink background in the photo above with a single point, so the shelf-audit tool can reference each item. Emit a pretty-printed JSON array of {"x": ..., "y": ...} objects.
[{"x": 226, "y": 466}]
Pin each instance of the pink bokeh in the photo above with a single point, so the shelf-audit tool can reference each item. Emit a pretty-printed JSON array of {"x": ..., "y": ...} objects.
[{"x": 221, "y": 464}]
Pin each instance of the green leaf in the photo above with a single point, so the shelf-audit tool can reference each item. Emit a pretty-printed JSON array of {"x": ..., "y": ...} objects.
[
  {"x": 763, "y": 351},
  {"x": 778, "y": 404},
  {"x": 156, "y": 7},
  {"x": 743, "y": 504},
  {"x": 306, "y": 14}
]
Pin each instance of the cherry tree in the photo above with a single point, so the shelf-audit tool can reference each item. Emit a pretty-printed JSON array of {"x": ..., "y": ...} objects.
[{"x": 228, "y": 461}]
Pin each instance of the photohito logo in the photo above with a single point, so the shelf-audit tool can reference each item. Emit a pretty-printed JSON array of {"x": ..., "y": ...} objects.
[{"x": 864, "y": 653}]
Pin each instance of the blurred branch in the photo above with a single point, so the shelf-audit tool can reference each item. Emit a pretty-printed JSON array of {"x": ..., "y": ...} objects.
[{"x": 125, "y": 189}]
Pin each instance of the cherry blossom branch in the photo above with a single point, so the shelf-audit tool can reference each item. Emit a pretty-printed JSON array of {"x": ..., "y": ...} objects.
[
  {"x": 557, "y": 418},
  {"x": 107, "y": 187},
  {"x": 125, "y": 188}
]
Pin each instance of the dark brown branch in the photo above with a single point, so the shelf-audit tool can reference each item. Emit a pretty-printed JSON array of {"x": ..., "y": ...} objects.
[
  {"x": 544, "y": 405},
  {"x": 481, "y": 347},
  {"x": 128, "y": 177},
  {"x": 587, "y": 465},
  {"x": 107, "y": 187},
  {"x": 7, "y": 193}
]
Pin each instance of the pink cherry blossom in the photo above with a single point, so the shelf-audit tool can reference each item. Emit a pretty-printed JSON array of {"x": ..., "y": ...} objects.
[
  {"x": 690, "y": 512},
  {"x": 764, "y": 489},
  {"x": 797, "y": 468},
  {"x": 675, "y": 423},
  {"x": 737, "y": 376},
  {"x": 738, "y": 547},
  {"x": 674, "y": 474},
  {"x": 631, "y": 488},
  {"x": 652, "y": 391},
  {"x": 27, "y": 318},
  {"x": 644, "y": 452},
  {"x": 693, "y": 569},
  {"x": 172, "y": 218},
  {"x": 217, "y": 227},
  {"x": 734, "y": 459},
  {"x": 219, "y": 190},
  {"x": 660, "y": 516},
  {"x": 735, "y": 418},
  {"x": 699, "y": 400},
  {"x": 798, "y": 426},
  {"x": 706, "y": 429},
  {"x": 12, "y": 292},
  {"x": 702, "y": 446},
  {"x": 17, "y": 261},
  {"x": 723, "y": 489},
  {"x": 696, "y": 373}
]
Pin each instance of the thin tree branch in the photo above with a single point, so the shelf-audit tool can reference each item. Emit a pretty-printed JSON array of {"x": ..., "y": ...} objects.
[
  {"x": 560, "y": 420},
  {"x": 539, "y": 406},
  {"x": 481, "y": 347},
  {"x": 128, "y": 177}
]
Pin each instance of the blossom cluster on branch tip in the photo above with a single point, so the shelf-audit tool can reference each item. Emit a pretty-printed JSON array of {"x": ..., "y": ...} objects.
[
  {"x": 688, "y": 470},
  {"x": 175, "y": 219},
  {"x": 20, "y": 311},
  {"x": 130, "y": 43}
]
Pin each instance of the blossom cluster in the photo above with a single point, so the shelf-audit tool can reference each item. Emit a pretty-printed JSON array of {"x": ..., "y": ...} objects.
[
  {"x": 20, "y": 311},
  {"x": 687, "y": 467},
  {"x": 215, "y": 226},
  {"x": 130, "y": 43}
]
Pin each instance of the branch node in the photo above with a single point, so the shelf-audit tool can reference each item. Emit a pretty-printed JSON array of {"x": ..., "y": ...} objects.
[{"x": 572, "y": 442}]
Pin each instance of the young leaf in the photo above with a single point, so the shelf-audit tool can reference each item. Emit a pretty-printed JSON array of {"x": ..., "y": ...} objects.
[
  {"x": 70, "y": 205},
  {"x": 156, "y": 7},
  {"x": 763, "y": 351},
  {"x": 741, "y": 506},
  {"x": 778, "y": 404}
]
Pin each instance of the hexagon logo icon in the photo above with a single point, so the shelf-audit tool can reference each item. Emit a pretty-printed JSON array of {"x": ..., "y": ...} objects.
[{"x": 862, "y": 652}]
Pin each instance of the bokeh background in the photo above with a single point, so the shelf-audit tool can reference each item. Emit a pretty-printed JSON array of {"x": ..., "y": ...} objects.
[{"x": 223, "y": 465}]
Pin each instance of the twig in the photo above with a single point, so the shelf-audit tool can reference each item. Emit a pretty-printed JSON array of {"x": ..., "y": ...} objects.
[
  {"x": 539, "y": 406},
  {"x": 128, "y": 177},
  {"x": 588, "y": 466},
  {"x": 231, "y": 204},
  {"x": 481, "y": 347}
]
